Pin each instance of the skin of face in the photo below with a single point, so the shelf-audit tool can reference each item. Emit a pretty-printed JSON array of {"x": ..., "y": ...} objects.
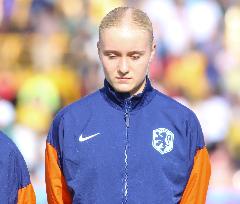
[{"x": 125, "y": 52}]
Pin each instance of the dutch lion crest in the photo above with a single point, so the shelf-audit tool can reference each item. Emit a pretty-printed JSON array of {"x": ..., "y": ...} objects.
[{"x": 163, "y": 140}]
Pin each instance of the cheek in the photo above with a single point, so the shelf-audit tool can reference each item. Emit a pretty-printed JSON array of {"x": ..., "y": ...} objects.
[
  {"x": 108, "y": 65},
  {"x": 141, "y": 67},
  {"x": 109, "y": 68}
]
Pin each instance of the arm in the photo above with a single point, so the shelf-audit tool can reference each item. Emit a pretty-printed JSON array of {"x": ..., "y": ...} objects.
[
  {"x": 26, "y": 195},
  {"x": 20, "y": 187},
  {"x": 56, "y": 187},
  {"x": 200, "y": 169},
  {"x": 196, "y": 188}
]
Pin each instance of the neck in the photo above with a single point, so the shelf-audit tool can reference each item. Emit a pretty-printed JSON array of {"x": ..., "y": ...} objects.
[
  {"x": 138, "y": 98},
  {"x": 139, "y": 89}
]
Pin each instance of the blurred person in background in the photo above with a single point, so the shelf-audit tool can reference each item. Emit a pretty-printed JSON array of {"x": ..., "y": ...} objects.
[
  {"x": 127, "y": 142},
  {"x": 15, "y": 181},
  {"x": 196, "y": 62}
]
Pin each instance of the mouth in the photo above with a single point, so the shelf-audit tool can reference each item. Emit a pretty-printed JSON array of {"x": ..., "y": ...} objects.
[{"x": 123, "y": 79}]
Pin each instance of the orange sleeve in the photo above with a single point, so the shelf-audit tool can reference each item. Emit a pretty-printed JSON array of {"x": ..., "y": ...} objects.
[
  {"x": 57, "y": 191},
  {"x": 26, "y": 195},
  {"x": 197, "y": 186}
]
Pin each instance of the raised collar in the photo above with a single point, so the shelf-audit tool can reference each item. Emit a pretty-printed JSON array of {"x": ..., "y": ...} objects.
[{"x": 122, "y": 101}]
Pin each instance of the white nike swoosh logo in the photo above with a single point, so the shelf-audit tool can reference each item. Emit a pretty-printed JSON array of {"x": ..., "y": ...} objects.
[{"x": 82, "y": 139}]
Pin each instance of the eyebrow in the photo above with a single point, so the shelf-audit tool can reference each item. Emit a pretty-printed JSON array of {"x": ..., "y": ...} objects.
[
  {"x": 136, "y": 52},
  {"x": 106, "y": 52}
]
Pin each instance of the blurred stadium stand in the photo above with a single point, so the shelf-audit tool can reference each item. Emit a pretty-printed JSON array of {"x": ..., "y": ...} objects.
[{"x": 48, "y": 59}]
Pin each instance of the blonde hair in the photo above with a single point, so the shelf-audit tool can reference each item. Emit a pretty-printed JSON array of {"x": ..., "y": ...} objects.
[{"x": 116, "y": 16}]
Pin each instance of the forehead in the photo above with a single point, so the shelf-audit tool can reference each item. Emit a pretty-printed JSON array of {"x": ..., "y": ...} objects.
[{"x": 125, "y": 37}]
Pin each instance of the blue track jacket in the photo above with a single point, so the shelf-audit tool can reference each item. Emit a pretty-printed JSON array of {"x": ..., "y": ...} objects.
[
  {"x": 15, "y": 185},
  {"x": 110, "y": 148}
]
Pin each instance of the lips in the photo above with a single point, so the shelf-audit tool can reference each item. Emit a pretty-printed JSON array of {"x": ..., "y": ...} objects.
[{"x": 123, "y": 79}]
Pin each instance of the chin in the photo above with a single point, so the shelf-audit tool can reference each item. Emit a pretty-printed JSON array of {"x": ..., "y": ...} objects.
[{"x": 122, "y": 89}]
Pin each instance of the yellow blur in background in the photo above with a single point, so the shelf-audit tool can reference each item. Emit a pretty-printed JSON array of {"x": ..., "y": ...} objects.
[{"x": 48, "y": 59}]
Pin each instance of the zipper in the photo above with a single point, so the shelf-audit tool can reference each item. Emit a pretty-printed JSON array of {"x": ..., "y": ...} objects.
[{"x": 127, "y": 106}]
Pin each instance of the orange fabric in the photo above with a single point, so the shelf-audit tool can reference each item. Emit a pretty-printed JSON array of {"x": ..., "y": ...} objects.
[
  {"x": 26, "y": 195},
  {"x": 57, "y": 192},
  {"x": 196, "y": 189}
]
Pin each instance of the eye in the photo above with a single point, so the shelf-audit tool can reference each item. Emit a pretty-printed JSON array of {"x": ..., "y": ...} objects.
[
  {"x": 112, "y": 56},
  {"x": 135, "y": 57}
]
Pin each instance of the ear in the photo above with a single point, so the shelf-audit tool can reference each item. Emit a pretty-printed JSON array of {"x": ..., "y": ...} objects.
[
  {"x": 98, "y": 44},
  {"x": 153, "y": 50},
  {"x": 98, "y": 47}
]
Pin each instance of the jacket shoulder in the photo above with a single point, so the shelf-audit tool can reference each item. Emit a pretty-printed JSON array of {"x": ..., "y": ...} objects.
[
  {"x": 183, "y": 114},
  {"x": 7, "y": 146},
  {"x": 170, "y": 103},
  {"x": 79, "y": 106},
  {"x": 71, "y": 114}
]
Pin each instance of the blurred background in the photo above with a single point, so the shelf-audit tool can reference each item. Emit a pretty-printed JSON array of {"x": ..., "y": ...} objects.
[{"x": 48, "y": 59}]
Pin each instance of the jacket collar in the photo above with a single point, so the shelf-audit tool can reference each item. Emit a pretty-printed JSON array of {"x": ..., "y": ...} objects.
[{"x": 124, "y": 101}]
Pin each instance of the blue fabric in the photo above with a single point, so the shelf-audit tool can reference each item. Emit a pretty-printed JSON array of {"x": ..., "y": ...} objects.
[
  {"x": 13, "y": 173},
  {"x": 96, "y": 170}
]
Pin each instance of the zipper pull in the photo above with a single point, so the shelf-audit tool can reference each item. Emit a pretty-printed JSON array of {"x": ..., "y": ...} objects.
[
  {"x": 126, "y": 115},
  {"x": 127, "y": 120}
]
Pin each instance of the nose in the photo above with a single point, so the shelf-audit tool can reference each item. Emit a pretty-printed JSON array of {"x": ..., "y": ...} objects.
[{"x": 123, "y": 67}]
